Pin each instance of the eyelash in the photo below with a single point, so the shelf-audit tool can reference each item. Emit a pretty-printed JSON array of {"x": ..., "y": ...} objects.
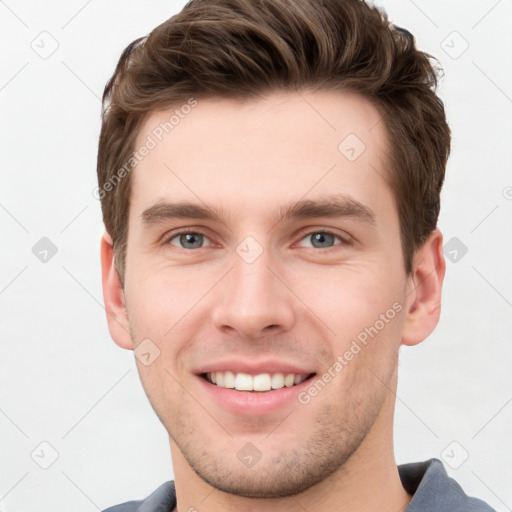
[{"x": 344, "y": 242}]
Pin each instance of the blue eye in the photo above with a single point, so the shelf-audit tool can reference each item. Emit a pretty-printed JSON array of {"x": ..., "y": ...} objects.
[
  {"x": 188, "y": 240},
  {"x": 195, "y": 240},
  {"x": 321, "y": 239}
]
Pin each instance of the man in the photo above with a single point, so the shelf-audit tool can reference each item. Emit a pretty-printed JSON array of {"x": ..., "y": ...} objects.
[{"x": 270, "y": 174}]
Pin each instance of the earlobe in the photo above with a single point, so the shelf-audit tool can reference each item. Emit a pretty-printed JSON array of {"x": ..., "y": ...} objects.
[
  {"x": 424, "y": 295},
  {"x": 113, "y": 296}
]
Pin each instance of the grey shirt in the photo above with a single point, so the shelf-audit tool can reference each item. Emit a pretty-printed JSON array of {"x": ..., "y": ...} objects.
[{"x": 432, "y": 489}]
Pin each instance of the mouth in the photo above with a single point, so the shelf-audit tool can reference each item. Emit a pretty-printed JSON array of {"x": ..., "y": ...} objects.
[
  {"x": 257, "y": 383},
  {"x": 254, "y": 387}
]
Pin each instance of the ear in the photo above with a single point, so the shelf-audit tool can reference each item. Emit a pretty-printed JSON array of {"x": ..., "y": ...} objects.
[
  {"x": 423, "y": 302},
  {"x": 113, "y": 296}
]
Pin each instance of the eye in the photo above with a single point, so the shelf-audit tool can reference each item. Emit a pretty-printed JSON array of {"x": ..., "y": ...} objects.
[
  {"x": 195, "y": 240},
  {"x": 322, "y": 239},
  {"x": 188, "y": 240}
]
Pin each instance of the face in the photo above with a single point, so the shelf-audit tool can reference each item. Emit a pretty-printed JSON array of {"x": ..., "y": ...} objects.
[{"x": 264, "y": 242}]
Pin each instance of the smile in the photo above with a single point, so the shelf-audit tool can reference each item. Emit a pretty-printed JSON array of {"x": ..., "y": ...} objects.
[{"x": 261, "y": 382}]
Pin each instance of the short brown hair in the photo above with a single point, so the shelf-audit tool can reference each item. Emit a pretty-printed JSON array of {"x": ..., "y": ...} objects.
[{"x": 243, "y": 49}]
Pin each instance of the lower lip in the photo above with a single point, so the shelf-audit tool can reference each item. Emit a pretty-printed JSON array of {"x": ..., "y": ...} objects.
[{"x": 253, "y": 403}]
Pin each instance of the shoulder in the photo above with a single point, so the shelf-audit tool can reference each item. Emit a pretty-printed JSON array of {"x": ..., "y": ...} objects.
[
  {"x": 129, "y": 506},
  {"x": 433, "y": 489},
  {"x": 162, "y": 499}
]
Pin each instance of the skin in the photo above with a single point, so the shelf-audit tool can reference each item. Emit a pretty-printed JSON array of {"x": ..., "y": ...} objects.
[{"x": 296, "y": 302}]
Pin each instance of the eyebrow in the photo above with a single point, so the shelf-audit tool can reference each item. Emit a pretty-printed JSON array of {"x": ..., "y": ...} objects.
[{"x": 337, "y": 206}]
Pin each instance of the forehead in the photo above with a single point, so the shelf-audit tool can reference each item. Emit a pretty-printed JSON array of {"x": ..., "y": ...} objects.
[{"x": 281, "y": 148}]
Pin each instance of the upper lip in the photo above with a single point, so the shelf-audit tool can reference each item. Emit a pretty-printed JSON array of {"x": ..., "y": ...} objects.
[{"x": 254, "y": 367}]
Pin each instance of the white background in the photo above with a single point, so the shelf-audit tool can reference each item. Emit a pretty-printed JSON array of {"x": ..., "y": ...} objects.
[{"x": 65, "y": 382}]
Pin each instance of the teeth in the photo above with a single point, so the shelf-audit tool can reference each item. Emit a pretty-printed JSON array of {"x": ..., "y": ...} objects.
[
  {"x": 288, "y": 380},
  {"x": 261, "y": 382},
  {"x": 243, "y": 382},
  {"x": 277, "y": 381},
  {"x": 229, "y": 380}
]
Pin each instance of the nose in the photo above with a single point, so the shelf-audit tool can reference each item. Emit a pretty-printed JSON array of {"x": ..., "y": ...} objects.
[{"x": 253, "y": 300}]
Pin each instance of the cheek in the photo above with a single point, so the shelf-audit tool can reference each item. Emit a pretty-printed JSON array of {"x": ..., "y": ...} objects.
[
  {"x": 361, "y": 311},
  {"x": 157, "y": 300},
  {"x": 350, "y": 297},
  {"x": 165, "y": 307},
  {"x": 156, "y": 307}
]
